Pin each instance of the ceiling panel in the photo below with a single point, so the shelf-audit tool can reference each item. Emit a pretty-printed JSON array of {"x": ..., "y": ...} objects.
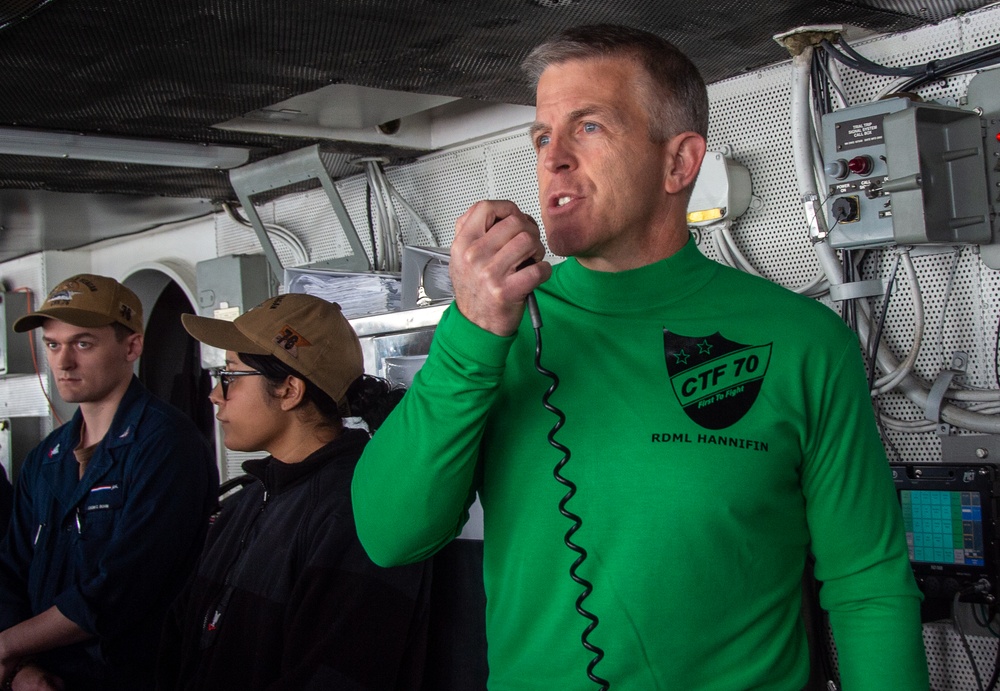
[{"x": 173, "y": 70}]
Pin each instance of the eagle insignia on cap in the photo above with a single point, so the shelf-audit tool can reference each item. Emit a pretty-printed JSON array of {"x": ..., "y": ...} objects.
[{"x": 64, "y": 295}]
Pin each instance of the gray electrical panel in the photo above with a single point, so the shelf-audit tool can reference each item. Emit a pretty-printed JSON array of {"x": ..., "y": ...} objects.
[
  {"x": 983, "y": 95},
  {"x": 904, "y": 172},
  {"x": 229, "y": 286},
  {"x": 18, "y": 436},
  {"x": 15, "y": 348}
]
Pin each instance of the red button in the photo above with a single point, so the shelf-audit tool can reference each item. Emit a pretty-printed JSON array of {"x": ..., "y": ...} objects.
[{"x": 860, "y": 165}]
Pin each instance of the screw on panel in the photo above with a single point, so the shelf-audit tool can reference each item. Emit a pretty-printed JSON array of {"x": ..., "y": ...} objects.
[{"x": 982, "y": 453}]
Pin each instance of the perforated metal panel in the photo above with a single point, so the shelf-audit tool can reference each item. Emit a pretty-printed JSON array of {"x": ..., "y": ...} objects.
[
  {"x": 440, "y": 187},
  {"x": 751, "y": 115},
  {"x": 948, "y": 661}
]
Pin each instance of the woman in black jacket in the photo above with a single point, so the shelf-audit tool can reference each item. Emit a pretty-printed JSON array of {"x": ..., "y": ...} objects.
[{"x": 284, "y": 596}]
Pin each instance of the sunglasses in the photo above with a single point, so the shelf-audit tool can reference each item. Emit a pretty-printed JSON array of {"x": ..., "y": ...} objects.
[{"x": 226, "y": 377}]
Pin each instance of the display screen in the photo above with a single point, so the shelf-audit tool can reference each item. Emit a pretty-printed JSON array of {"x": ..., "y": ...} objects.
[{"x": 944, "y": 527}]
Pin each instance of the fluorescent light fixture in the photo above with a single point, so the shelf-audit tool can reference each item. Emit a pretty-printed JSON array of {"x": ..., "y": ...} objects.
[
  {"x": 349, "y": 113},
  {"x": 22, "y": 142}
]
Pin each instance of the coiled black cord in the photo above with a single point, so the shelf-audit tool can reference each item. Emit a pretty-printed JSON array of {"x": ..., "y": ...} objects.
[{"x": 588, "y": 587}]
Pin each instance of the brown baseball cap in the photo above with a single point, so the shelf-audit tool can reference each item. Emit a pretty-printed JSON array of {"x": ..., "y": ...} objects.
[
  {"x": 87, "y": 300},
  {"x": 305, "y": 332}
]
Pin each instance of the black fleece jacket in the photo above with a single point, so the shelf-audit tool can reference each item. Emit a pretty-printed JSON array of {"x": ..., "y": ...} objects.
[{"x": 285, "y": 597}]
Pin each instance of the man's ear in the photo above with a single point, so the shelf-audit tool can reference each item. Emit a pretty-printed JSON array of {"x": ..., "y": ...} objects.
[
  {"x": 133, "y": 346},
  {"x": 684, "y": 153},
  {"x": 291, "y": 393}
]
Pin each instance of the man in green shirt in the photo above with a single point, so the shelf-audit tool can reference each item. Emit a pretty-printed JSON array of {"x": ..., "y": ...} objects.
[{"x": 718, "y": 426}]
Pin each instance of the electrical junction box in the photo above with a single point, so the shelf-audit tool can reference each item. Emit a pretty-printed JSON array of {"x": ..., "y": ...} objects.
[
  {"x": 899, "y": 172},
  {"x": 983, "y": 96},
  {"x": 15, "y": 348},
  {"x": 229, "y": 286}
]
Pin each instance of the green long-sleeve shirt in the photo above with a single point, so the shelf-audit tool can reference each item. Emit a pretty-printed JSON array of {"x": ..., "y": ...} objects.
[{"x": 719, "y": 428}]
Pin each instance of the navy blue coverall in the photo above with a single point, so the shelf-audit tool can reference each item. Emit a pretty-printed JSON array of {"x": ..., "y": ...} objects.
[{"x": 110, "y": 550}]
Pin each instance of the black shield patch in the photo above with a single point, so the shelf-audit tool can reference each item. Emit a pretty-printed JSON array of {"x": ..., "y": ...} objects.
[{"x": 715, "y": 380}]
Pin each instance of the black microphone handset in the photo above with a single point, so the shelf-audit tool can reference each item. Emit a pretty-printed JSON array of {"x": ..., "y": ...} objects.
[
  {"x": 536, "y": 316},
  {"x": 588, "y": 587}
]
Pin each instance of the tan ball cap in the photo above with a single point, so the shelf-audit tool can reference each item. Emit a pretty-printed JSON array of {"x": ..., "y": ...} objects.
[
  {"x": 307, "y": 333},
  {"x": 87, "y": 300}
]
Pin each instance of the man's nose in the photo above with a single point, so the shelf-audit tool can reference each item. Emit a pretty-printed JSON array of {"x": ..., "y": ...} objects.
[
  {"x": 63, "y": 359},
  {"x": 558, "y": 154}
]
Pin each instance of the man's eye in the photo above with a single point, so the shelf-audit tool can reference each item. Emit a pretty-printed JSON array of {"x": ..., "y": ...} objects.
[
  {"x": 51, "y": 346},
  {"x": 590, "y": 127},
  {"x": 84, "y": 345},
  {"x": 541, "y": 141}
]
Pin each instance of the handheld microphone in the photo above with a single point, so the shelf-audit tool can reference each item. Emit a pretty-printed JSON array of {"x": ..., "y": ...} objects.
[{"x": 536, "y": 316}]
